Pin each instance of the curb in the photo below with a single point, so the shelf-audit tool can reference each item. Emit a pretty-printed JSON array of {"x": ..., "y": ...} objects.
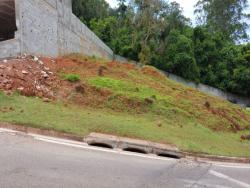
[
  {"x": 134, "y": 145},
  {"x": 128, "y": 144},
  {"x": 44, "y": 132},
  {"x": 214, "y": 158}
]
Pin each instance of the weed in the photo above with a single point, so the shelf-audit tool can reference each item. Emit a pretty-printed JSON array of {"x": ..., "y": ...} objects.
[{"x": 72, "y": 77}]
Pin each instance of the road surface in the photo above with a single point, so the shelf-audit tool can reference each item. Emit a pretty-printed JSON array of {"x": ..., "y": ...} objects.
[{"x": 42, "y": 162}]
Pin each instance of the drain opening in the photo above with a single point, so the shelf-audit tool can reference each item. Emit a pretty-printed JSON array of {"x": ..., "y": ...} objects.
[
  {"x": 101, "y": 145},
  {"x": 167, "y": 155},
  {"x": 135, "y": 150}
]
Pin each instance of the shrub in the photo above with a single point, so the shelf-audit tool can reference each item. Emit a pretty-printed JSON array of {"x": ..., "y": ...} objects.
[{"x": 72, "y": 77}]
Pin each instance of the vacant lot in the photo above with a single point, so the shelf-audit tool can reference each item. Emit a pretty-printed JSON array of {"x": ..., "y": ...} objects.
[{"x": 126, "y": 100}]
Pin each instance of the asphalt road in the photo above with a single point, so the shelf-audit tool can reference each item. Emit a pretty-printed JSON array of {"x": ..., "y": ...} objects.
[{"x": 35, "y": 161}]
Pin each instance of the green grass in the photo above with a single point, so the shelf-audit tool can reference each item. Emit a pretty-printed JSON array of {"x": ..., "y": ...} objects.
[
  {"x": 72, "y": 77},
  {"x": 248, "y": 111},
  {"x": 81, "y": 121},
  {"x": 122, "y": 87}
]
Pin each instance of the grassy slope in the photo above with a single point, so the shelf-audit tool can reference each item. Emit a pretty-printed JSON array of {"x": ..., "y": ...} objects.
[
  {"x": 248, "y": 111},
  {"x": 141, "y": 104}
]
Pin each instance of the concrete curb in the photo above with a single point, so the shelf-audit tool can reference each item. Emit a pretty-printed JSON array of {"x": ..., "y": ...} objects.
[
  {"x": 214, "y": 158},
  {"x": 128, "y": 144},
  {"x": 44, "y": 132}
]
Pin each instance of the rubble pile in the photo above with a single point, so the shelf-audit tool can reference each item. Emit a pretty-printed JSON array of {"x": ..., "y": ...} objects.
[{"x": 28, "y": 75}]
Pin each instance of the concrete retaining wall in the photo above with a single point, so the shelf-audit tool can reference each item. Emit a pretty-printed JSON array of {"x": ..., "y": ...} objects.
[
  {"x": 10, "y": 48},
  {"x": 49, "y": 28},
  {"x": 242, "y": 101}
]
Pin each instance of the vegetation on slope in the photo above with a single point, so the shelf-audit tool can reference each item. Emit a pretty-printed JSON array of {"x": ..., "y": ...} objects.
[
  {"x": 139, "y": 102},
  {"x": 157, "y": 33}
]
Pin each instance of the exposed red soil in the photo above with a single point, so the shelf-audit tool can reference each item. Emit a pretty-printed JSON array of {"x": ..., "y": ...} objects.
[{"x": 29, "y": 77}]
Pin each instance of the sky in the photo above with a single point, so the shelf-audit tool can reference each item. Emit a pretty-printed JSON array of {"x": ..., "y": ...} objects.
[{"x": 187, "y": 5}]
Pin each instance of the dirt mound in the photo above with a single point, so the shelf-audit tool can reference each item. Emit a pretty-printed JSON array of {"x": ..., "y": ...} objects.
[{"x": 30, "y": 76}]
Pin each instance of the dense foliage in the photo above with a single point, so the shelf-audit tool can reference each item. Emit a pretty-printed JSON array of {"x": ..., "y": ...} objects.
[{"x": 159, "y": 34}]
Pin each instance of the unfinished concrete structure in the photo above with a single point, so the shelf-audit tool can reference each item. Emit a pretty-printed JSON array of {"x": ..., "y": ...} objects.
[{"x": 45, "y": 27}]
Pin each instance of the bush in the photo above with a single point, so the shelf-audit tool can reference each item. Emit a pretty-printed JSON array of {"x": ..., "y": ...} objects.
[{"x": 72, "y": 77}]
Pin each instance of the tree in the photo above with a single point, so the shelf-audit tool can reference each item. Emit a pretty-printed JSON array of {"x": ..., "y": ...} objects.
[
  {"x": 90, "y": 9},
  {"x": 149, "y": 25},
  {"x": 179, "y": 57},
  {"x": 225, "y": 16}
]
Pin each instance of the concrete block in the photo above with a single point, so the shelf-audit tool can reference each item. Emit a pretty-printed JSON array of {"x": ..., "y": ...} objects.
[
  {"x": 102, "y": 139},
  {"x": 165, "y": 150},
  {"x": 136, "y": 145}
]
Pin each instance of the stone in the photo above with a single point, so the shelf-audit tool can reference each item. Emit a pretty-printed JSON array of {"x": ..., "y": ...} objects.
[
  {"x": 5, "y": 61},
  {"x": 40, "y": 62},
  {"x": 5, "y": 81},
  {"x": 44, "y": 74},
  {"x": 24, "y": 72},
  {"x": 20, "y": 88},
  {"x": 38, "y": 88},
  {"x": 35, "y": 58}
]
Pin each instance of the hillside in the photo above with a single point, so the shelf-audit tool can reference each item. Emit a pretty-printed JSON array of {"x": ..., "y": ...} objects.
[{"x": 80, "y": 95}]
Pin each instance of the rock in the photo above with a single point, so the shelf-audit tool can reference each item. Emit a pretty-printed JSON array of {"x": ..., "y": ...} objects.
[
  {"x": 46, "y": 68},
  {"x": 24, "y": 72},
  {"x": 5, "y": 61},
  {"x": 5, "y": 81},
  {"x": 35, "y": 58},
  {"x": 24, "y": 55},
  {"x": 40, "y": 62},
  {"x": 20, "y": 88},
  {"x": 8, "y": 87},
  {"x": 38, "y": 88},
  {"x": 44, "y": 74},
  {"x": 2, "y": 67}
]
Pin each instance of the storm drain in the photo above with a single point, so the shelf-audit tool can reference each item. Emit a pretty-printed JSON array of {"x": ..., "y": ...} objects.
[
  {"x": 132, "y": 145},
  {"x": 167, "y": 155},
  {"x": 135, "y": 150},
  {"x": 101, "y": 145}
]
